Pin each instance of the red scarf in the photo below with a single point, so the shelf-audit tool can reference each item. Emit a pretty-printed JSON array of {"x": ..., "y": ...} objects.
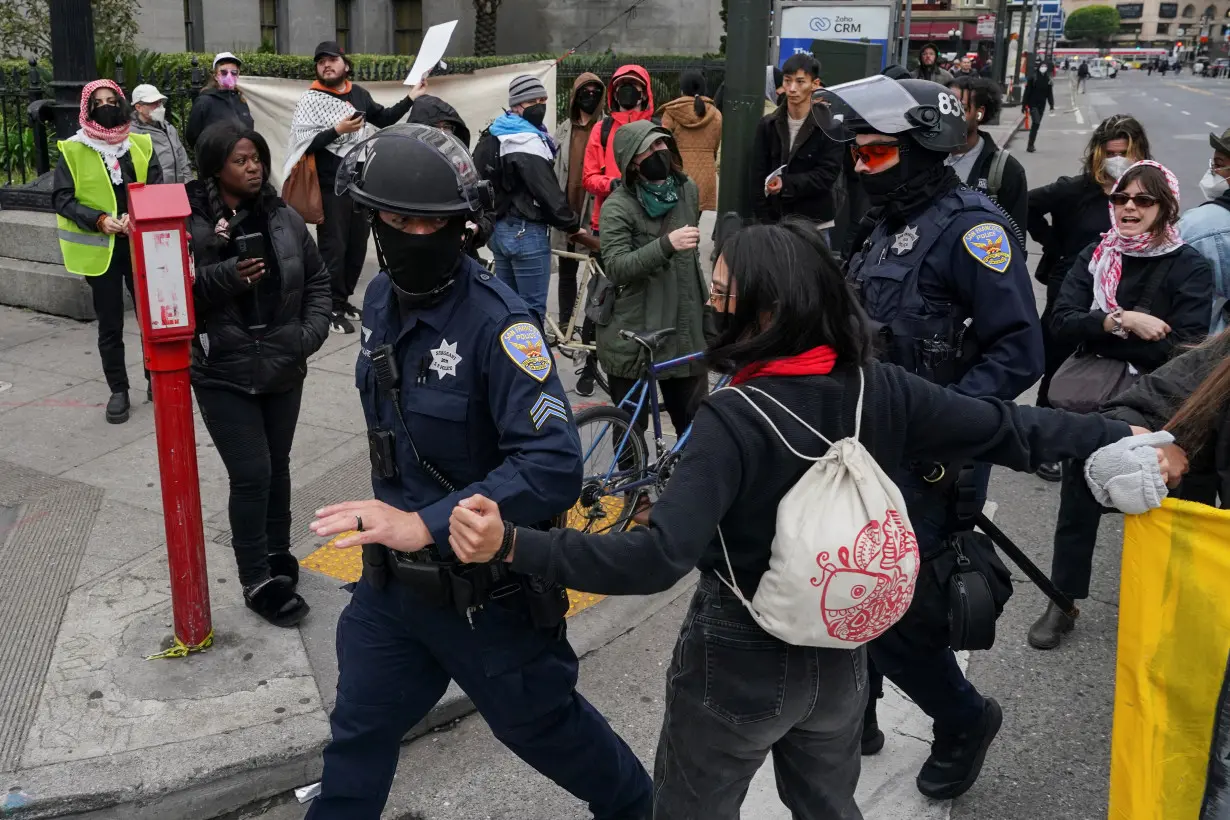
[
  {"x": 111, "y": 136},
  {"x": 819, "y": 361}
]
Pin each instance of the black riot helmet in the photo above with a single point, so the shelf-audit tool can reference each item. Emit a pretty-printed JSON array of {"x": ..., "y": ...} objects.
[
  {"x": 413, "y": 170},
  {"x": 927, "y": 112}
]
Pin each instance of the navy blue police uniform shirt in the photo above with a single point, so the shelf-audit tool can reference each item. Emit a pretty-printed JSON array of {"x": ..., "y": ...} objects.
[
  {"x": 978, "y": 264},
  {"x": 481, "y": 396}
]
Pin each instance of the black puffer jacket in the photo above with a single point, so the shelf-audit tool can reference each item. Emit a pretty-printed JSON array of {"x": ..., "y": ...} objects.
[
  {"x": 216, "y": 105},
  {"x": 1077, "y": 207},
  {"x": 227, "y": 352}
]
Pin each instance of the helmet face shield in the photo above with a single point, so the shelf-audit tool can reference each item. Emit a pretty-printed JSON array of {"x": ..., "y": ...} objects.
[
  {"x": 875, "y": 103},
  {"x": 415, "y": 170}
]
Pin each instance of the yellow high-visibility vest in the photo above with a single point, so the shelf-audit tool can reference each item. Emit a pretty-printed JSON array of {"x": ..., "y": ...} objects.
[{"x": 88, "y": 253}]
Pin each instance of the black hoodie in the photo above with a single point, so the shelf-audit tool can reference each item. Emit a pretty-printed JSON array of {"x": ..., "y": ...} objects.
[
  {"x": 433, "y": 111},
  {"x": 216, "y": 105}
]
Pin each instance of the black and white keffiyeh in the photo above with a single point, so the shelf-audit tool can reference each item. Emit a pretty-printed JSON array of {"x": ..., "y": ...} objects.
[{"x": 315, "y": 112}]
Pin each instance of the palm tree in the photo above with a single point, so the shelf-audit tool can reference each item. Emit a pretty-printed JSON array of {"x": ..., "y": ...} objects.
[{"x": 484, "y": 26}]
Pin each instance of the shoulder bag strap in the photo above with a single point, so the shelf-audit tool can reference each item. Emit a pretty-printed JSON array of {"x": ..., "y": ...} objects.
[{"x": 1145, "y": 305}]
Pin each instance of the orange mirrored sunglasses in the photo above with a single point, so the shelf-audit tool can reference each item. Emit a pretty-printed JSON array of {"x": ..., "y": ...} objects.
[{"x": 876, "y": 156}]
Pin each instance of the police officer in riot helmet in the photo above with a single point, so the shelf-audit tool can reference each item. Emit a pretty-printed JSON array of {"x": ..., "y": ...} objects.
[
  {"x": 460, "y": 397},
  {"x": 941, "y": 275}
]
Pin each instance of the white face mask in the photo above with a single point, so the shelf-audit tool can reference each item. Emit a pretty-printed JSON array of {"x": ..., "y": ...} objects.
[
  {"x": 1116, "y": 167},
  {"x": 1212, "y": 185},
  {"x": 159, "y": 114}
]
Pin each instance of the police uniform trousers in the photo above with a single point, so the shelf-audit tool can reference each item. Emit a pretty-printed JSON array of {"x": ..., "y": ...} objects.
[
  {"x": 396, "y": 655},
  {"x": 916, "y": 656}
]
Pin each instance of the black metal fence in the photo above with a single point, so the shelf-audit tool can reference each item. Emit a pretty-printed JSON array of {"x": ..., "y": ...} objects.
[{"x": 28, "y": 146}]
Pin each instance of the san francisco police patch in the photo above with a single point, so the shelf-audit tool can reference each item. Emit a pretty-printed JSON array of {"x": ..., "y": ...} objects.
[
  {"x": 525, "y": 346},
  {"x": 989, "y": 244}
]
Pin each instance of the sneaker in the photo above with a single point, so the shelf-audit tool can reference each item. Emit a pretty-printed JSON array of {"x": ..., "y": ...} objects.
[
  {"x": 338, "y": 323},
  {"x": 956, "y": 757},
  {"x": 351, "y": 312},
  {"x": 1050, "y": 471},
  {"x": 873, "y": 739},
  {"x": 117, "y": 407},
  {"x": 1029, "y": 149},
  {"x": 585, "y": 384}
]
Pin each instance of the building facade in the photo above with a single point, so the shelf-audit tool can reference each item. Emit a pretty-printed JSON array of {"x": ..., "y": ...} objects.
[
  {"x": 397, "y": 26},
  {"x": 1159, "y": 24}
]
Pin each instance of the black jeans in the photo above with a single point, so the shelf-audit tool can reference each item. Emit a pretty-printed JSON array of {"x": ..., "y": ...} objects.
[
  {"x": 1076, "y": 532},
  {"x": 108, "y": 293},
  {"x": 735, "y": 693},
  {"x": 343, "y": 243},
  {"x": 1035, "y": 122},
  {"x": 1055, "y": 352},
  {"x": 680, "y": 396},
  {"x": 253, "y": 435}
]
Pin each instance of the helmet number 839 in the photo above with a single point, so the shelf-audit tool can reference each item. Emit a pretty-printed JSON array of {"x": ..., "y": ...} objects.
[{"x": 950, "y": 106}]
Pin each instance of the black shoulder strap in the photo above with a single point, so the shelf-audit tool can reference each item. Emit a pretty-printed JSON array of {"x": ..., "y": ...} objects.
[
  {"x": 1160, "y": 273},
  {"x": 995, "y": 176},
  {"x": 608, "y": 123}
]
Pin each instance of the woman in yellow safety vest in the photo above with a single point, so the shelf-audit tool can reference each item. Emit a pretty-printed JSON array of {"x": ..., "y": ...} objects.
[{"x": 91, "y": 200}]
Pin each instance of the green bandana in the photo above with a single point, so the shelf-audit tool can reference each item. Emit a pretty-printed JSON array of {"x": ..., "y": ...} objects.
[{"x": 657, "y": 198}]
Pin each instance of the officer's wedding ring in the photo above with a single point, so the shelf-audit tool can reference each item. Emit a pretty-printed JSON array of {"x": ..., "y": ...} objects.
[{"x": 358, "y": 520}]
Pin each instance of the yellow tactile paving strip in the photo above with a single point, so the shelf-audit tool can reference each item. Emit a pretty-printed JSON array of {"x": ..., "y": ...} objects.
[{"x": 347, "y": 565}]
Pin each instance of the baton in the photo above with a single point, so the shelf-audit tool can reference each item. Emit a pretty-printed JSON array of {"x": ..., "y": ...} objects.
[{"x": 1027, "y": 566}]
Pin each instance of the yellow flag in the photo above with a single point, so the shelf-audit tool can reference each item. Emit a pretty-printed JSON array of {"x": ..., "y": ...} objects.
[{"x": 1170, "y": 750}]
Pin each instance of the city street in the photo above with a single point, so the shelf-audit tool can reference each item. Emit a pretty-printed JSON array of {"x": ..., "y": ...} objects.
[{"x": 87, "y": 724}]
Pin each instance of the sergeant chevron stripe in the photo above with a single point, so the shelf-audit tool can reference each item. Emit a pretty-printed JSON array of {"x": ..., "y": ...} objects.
[{"x": 547, "y": 407}]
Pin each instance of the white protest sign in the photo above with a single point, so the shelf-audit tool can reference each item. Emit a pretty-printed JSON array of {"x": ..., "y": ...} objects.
[{"x": 435, "y": 42}]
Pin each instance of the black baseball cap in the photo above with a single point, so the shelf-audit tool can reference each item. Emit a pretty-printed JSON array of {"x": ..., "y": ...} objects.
[{"x": 329, "y": 48}]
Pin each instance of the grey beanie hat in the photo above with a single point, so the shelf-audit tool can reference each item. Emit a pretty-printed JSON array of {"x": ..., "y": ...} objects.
[{"x": 525, "y": 89}]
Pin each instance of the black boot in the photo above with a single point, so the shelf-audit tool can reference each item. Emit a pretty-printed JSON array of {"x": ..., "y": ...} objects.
[
  {"x": 956, "y": 757},
  {"x": 117, "y": 407},
  {"x": 873, "y": 738},
  {"x": 284, "y": 565},
  {"x": 1048, "y": 631},
  {"x": 1050, "y": 471},
  {"x": 276, "y": 602}
]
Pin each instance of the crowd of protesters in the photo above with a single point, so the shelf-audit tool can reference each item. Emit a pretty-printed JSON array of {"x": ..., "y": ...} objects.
[{"x": 1133, "y": 284}]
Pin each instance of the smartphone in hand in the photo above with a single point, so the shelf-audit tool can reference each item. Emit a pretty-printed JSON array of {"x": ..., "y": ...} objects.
[{"x": 250, "y": 246}]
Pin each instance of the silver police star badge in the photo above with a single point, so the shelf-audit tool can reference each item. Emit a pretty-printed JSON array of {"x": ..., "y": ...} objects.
[
  {"x": 444, "y": 359},
  {"x": 904, "y": 242}
]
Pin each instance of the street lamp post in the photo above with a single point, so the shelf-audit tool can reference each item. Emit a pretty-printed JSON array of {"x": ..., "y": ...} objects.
[
  {"x": 1000, "y": 61},
  {"x": 72, "y": 60},
  {"x": 747, "y": 53}
]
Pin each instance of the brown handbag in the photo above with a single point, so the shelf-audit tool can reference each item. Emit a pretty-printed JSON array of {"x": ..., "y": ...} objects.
[{"x": 301, "y": 190}]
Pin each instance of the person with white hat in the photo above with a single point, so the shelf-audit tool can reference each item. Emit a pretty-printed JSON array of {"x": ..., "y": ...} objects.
[
  {"x": 220, "y": 99},
  {"x": 149, "y": 116}
]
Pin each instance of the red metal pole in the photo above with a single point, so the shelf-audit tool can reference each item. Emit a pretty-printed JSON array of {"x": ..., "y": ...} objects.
[{"x": 181, "y": 504}]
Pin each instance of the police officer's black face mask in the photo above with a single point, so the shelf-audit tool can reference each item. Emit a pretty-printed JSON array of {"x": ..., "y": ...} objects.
[{"x": 419, "y": 264}]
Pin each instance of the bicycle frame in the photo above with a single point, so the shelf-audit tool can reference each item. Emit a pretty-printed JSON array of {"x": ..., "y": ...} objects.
[{"x": 567, "y": 339}]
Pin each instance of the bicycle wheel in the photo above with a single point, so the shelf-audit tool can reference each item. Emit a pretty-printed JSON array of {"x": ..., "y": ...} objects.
[{"x": 613, "y": 453}]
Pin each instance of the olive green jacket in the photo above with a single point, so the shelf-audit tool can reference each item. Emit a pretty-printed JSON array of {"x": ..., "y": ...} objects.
[{"x": 656, "y": 286}]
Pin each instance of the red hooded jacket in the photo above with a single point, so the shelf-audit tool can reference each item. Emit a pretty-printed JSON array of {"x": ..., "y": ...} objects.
[{"x": 600, "y": 167}]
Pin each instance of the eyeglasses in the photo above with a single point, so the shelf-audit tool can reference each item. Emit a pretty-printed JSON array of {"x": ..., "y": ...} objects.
[
  {"x": 229, "y": 72},
  {"x": 1140, "y": 200},
  {"x": 876, "y": 156},
  {"x": 720, "y": 297}
]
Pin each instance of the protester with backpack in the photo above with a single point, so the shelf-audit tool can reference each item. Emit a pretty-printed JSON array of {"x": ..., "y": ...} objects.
[
  {"x": 803, "y": 376},
  {"x": 980, "y": 163}
]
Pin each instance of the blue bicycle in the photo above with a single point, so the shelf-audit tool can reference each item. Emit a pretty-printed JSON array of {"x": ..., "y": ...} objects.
[{"x": 617, "y": 473}]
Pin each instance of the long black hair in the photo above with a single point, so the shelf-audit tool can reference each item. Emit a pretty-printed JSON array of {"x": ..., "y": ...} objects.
[
  {"x": 212, "y": 150},
  {"x": 785, "y": 272},
  {"x": 692, "y": 84}
]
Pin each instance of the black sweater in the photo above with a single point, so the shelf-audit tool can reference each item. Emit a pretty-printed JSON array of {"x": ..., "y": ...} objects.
[
  {"x": 1184, "y": 300},
  {"x": 216, "y": 105},
  {"x": 1080, "y": 214},
  {"x": 327, "y": 162},
  {"x": 735, "y": 471}
]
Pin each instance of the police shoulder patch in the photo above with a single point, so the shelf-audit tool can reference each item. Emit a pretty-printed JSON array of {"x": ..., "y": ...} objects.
[
  {"x": 988, "y": 243},
  {"x": 525, "y": 346}
]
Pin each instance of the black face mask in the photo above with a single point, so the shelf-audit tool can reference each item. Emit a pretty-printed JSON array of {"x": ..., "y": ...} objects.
[
  {"x": 657, "y": 166},
  {"x": 419, "y": 264},
  {"x": 628, "y": 96},
  {"x": 722, "y": 320},
  {"x": 881, "y": 187},
  {"x": 588, "y": 100},
  {"x": 108, "y": 116},
  {"x": 535, "y": 115}
]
